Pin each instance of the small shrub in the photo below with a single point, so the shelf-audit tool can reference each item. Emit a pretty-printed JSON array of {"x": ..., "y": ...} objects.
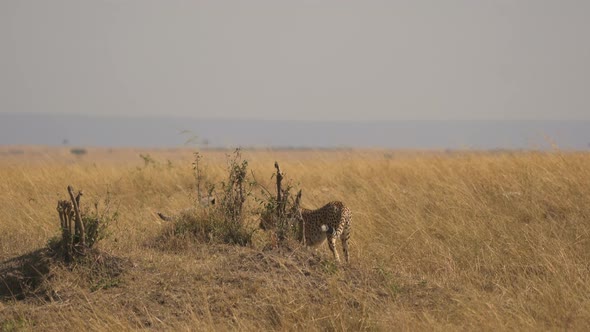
[
  {"x": 148, "y": 160},
  {"x": 75, "y": 239},
  {"x": 78, "y": 151},
  {"x": 236, "y": 189},
  {"x": 211, "y": 226},
  {"x": 226, "y": 219},
  {"x": 96, "y": 226},
  {"x": 277, "y": 211}
]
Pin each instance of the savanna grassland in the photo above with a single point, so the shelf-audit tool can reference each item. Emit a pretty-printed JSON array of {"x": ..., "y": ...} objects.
[{"x": 440, "y": 241}]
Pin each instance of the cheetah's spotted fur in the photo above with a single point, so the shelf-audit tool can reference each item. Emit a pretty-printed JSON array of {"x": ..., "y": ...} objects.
[{"x": 332, "y": 221}]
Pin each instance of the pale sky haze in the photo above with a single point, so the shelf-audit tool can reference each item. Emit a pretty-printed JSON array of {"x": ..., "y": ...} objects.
[{"x": 308, "y": 60}]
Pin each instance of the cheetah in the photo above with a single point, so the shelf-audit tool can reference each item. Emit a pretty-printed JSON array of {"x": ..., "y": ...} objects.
[{"x": 332, "y": 221}]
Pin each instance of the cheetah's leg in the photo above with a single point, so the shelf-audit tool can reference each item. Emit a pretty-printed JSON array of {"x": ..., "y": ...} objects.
[
  {"x": 332, "y": 244},
  {"x": 344, "y": 237},
  {"x": 345, "y": 221}
]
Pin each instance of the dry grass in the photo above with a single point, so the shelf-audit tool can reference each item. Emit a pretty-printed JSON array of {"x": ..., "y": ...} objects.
[{"x": 440, "y": 241}]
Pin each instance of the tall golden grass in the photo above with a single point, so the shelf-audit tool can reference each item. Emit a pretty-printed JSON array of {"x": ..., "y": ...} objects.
[{"x": 464, "y": 240}]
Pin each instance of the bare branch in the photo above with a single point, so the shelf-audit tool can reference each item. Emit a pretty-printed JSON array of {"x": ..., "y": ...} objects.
[
  {"x": 79, "y": 223},
  {"x": 279, "y": 191}
]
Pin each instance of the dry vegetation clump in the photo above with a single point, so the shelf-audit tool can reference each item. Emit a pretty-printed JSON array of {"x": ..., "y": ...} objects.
[
  {"x": 215, "y": 220},
  {"x": 462, "y": 240},
  {"x": 235, "y": 213},
  {"x": 206, "y": 225},
  {"x": 72, "y": 255},
  {"x": 80, "y": 228}
]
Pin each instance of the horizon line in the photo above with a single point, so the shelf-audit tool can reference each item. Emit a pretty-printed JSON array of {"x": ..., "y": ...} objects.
[{"x": 381, "y": 120}]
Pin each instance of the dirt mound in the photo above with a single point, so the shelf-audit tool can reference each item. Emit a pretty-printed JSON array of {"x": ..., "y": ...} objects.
[
  {"x": 23, "y": 275},
  {"x": 34, "y": 276},
  {"x": 225, "y": 286},
  {"x": 210, "y": 286}
]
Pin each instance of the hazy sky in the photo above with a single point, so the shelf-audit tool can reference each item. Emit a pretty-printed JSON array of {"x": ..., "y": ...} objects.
[{"x": 505, "y": 59}]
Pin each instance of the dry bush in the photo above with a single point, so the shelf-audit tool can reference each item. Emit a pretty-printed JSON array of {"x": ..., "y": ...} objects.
[
  {"x": 205, "y": 225},
  {"x": 33, "y": 276},
  {"x": 220, "y": 220},
  {"x": 229, "y": 216},
  {"x": 274, "y": 212},
  {"x": 81, "y": 229}
]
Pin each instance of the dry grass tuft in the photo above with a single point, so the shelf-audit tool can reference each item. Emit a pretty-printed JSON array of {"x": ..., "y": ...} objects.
[{"x": 439, "y": 241}]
